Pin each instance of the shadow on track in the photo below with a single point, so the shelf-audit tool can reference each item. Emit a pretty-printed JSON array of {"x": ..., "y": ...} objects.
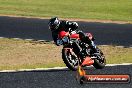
[{"x": 33, "y": 28}]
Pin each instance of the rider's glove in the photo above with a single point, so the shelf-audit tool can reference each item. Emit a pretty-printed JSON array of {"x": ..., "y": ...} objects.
[
  {"x": 59, "y": 42},
  {"x": 65, "y": 40}
]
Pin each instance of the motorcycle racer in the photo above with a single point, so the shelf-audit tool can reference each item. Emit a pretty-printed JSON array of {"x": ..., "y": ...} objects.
[{"x": 56, "y": 26}]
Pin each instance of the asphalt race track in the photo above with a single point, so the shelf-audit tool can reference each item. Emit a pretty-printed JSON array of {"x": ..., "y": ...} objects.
[
  {"x": 60, "y": 78},
  {"x": 32, "y": 28}
]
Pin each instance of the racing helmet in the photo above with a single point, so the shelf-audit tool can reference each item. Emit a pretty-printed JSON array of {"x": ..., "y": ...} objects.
[{"x": 54, "y": 23}]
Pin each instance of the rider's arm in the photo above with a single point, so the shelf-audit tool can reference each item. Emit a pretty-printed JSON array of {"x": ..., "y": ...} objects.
[
  {"x": 57, "y": 41},
  {"x": 54, "y": 37},
  {"x": 72, "y": 25}
]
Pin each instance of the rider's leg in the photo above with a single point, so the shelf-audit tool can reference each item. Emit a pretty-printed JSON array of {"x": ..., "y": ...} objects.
[
  {"x": 78, "y": 50},
  {"x": 93, "y": 47},
  {"x": 86, "y": 39}
]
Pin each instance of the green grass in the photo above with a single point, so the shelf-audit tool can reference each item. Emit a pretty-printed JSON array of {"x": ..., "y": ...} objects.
[
  {"x": 85, "y": 9},
  {"x": 117, "y": 55},
  {"x": 21, "y": 54}
]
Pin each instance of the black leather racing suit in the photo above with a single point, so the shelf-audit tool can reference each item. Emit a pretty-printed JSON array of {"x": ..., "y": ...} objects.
[{"x": 64, "y": 26}]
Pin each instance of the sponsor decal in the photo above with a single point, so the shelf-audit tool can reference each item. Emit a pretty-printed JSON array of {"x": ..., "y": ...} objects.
[{"x": 107, "y": 78}]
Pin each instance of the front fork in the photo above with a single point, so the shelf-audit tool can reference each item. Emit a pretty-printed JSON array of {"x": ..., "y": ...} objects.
[{"x": 87, "y": 61}]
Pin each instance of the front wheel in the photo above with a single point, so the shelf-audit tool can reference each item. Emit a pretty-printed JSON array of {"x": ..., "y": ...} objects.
[
  {"x": 70, "y": 60},
  {"x": 100, "y": 61}
]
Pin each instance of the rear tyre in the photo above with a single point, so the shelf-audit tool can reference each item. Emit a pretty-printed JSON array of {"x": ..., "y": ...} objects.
[{"x": 70, "y": 60}]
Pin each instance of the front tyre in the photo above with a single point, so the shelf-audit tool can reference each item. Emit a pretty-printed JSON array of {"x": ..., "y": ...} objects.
[{"x": 70, "y": 60}]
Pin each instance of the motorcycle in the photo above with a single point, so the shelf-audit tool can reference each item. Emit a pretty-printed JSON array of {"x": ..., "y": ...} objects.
[{"x": 75, "y": 51}]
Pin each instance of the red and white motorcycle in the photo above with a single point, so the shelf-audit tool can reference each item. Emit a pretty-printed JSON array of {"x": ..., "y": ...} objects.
[{"x": 71, "y": 52}]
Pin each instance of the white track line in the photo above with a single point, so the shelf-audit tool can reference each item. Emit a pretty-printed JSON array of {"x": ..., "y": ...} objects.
[
  {"x": 55, "y": 68},
  {"x": 36, "y": 69},
  {"x": 119, "y": 64}
]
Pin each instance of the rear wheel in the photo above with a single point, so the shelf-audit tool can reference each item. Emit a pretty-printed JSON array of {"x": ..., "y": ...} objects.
[
  {"x": 100, "y": 61},
  {"x": 70, "y": 60}
]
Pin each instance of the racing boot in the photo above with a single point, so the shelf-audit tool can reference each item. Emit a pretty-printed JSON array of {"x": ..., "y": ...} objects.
[{"x": 93, "y": 47}]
